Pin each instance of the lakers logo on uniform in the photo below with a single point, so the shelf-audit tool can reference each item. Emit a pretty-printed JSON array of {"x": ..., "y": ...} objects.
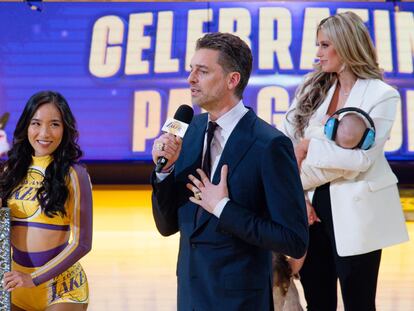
[
  {"x": 25, "y": 195},
  {"x": 70, "y": 285}
]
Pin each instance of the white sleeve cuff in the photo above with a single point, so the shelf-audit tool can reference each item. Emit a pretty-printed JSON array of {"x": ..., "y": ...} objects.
[
  {"x": 220, "y": 206},
  {"x": 161, "y": 176}
]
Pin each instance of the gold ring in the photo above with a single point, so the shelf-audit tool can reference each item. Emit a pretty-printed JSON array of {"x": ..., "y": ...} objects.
[
  {"x": 160, "y": 146},
  {"x": 197, "y": 195}
]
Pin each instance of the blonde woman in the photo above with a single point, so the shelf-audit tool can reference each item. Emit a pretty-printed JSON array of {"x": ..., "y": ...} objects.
[{"x": 359, "y": 215}]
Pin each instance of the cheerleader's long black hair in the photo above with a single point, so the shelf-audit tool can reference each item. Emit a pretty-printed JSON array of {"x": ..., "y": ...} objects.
[{"x": 54, "y": 192}]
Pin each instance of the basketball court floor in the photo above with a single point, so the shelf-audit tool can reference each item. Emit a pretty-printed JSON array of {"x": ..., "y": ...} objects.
[{"x": 132, "y": 267}]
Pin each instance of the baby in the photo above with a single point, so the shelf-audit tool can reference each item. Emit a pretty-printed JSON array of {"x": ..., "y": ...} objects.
[
  {"x": 349, "y": 133},
  {"x": 350, "y": 130}
]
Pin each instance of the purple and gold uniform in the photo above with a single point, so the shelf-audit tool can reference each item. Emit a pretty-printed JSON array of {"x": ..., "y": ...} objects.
[{"x": 59, "y": 278}]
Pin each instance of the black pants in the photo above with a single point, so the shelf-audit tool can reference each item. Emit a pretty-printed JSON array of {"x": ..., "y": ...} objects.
[{"x": 323, "y": 266}]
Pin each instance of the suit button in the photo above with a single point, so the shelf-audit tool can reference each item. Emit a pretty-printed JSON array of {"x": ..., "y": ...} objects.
[{"x": 193, "y": 245}]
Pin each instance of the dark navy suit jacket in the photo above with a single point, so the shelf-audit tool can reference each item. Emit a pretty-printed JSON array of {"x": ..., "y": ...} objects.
[{"x": 225, "y": 264}]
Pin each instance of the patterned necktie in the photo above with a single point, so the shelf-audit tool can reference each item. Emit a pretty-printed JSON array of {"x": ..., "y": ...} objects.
[{"x": 207, "y": 158}]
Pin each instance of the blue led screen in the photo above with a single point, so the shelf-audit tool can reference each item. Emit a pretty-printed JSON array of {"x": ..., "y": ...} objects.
[{"x": 123, "y": 66}]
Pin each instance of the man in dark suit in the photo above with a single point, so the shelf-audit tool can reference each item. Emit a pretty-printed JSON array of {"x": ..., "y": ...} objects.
[{"x": 252, "y": 203}]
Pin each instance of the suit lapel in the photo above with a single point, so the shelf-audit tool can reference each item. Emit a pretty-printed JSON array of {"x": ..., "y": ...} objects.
[
  {"x": 236, "y": 147},
  {"x": 355, "y": 98},
  {"x": 238, "y": 143},
  {"x": 323, "y": 109},
  {"x": 190, "y": 160},
  {"x": 357, "y": 94},
  {"x": 193, "y": 144}
]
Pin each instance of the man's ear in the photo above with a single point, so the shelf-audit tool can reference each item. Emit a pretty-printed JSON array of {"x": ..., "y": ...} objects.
[{"x": 233, "y": 80}]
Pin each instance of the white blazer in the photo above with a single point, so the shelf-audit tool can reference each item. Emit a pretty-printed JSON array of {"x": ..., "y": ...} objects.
[{"x": 366, "y": 210}]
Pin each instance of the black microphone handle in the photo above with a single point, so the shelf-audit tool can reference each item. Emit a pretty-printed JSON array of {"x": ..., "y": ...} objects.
[{"x": 161, "y": 162}]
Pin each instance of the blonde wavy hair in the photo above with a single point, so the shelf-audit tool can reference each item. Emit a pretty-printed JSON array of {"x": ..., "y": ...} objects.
[{"x": 353, "y": 44}]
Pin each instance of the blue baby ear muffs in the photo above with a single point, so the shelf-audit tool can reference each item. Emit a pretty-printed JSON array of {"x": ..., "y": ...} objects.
[{"x": 368, "y": 138}]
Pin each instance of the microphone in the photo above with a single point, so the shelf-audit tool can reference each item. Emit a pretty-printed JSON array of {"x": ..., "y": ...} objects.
[{"x": 176, "y": 126}]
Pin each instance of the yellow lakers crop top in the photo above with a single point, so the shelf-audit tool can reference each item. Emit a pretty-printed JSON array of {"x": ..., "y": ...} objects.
[{"x": 26, "y": 211}]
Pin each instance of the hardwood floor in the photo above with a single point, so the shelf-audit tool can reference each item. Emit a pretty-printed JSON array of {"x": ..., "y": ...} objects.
[{"x": 132, "y": 267}]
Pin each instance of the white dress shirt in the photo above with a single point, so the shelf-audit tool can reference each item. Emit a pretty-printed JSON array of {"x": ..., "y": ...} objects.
[{"x": 226, "y": 124}]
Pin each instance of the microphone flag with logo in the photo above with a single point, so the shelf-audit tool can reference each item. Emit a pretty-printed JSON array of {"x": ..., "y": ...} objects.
[{"x": 176, "y": 126}]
